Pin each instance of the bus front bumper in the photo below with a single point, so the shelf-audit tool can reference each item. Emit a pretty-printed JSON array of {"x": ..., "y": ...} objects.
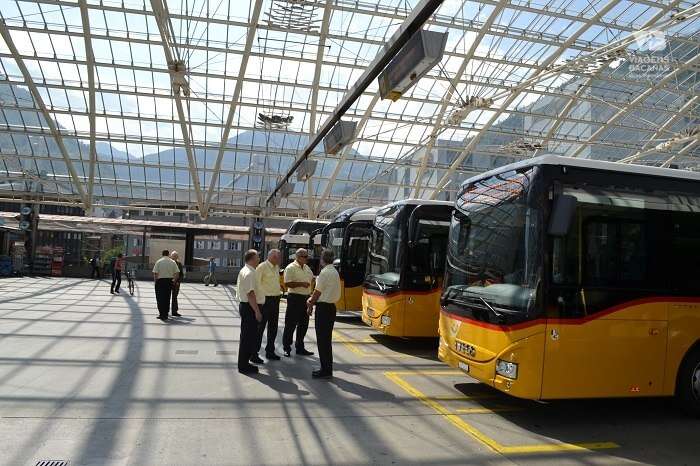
[{"x": 526, "y": 384}]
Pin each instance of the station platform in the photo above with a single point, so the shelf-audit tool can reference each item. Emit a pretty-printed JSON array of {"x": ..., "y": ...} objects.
[{"x": 95, "y": 379}]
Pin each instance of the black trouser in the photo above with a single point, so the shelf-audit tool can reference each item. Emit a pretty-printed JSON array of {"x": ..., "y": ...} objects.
[
  {"x": 163, "y": 288},
  {"x": 176, "y": 291},
  {"x": 270, "y": 318},
  {"x": 249, "y": 335},
  {"x": 296, "y": 318},
  {"x": 325, "y": 319},
  {"x": 116, "y": 280},
  {"x": 95, "y": 272}
]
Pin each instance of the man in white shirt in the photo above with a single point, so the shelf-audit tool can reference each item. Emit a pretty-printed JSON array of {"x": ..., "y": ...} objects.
[
  {"x": 251, "y": 298},
  {"x": 268, "y": 273},
  {"x": 297, "y": 278},
  {"x": 165, "y": 271},
  {"x": 326, "y": 294}
]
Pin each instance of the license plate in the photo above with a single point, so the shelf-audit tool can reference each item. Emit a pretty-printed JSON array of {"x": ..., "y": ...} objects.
[{"x": 464, "y": 366}]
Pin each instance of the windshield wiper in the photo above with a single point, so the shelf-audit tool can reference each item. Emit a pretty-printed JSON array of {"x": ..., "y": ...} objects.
[
  {"x": 495, "y": 312},
  {"x": 380, "y": 285}
]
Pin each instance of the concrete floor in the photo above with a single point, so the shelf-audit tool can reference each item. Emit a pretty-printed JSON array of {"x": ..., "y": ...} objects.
[{"x": 96, "y": 379}]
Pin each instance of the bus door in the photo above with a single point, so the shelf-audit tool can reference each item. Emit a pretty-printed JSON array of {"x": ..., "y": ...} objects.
[
  {"x": 354, "y": 253},
  {"x": 605, "y": 334},
  {"x": 428, "y": 228}
]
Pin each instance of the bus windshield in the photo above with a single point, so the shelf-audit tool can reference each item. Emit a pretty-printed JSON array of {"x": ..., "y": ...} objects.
[
  {"x": 335, "y": 240},
  {"x": 385, "y": 249},
  {"x": 494, "y": 250}
]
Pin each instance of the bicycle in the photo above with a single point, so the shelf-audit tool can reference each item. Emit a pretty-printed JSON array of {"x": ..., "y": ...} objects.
[{"x": 130, "y": 279}]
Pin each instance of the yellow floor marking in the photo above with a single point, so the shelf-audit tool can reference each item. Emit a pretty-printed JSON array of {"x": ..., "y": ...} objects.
[
  {"x": 486, "y": 410},
  {"x": 352, "y": 345},
  {"x": 483, "y": 438}
]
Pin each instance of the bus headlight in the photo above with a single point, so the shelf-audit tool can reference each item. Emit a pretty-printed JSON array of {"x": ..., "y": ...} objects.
[
  {"x": 507, "y": 369},
  {"x": 386, "y": 320}
]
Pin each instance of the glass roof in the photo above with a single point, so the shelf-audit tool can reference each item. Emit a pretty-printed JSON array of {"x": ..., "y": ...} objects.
[{"x": 185, "y": 105}]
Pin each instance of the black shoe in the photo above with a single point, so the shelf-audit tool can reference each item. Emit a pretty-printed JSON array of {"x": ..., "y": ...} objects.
[
  {"x": 319, "y": 374},
  {"x": 176, "y": 314},
  {"x": 111, "y": 292},
  {"x": 162, "y": 318},
  {"x": 272, "y": 357},
  {"x": 251, "y": 369},
  {"x": 256, "y": 359},
  {"x": 305, "y": 352},
  {"x": 288, "y": 353},
  {"x": 216, "y": 284}
]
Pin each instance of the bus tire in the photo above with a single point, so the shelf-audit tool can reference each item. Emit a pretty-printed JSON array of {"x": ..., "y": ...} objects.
[{"x": 688, "y": 383}]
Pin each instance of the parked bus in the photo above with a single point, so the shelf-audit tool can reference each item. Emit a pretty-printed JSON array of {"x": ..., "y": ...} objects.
[
  {"x": 298, "y": 235},
  {"x": 572, "y": 278},
  {"x": 401, "y": 292},
  {"x": 348, "y": 235}
]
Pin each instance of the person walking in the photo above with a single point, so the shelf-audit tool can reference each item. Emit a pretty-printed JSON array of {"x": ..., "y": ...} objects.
[
  {"x": 175, "y": 307},
  {"x": 297, "y": 279},
  {"x": 324, "y": 297},
  {"x": 268, "y": 273},
  {"x": 117, "y": 268},
  {"x": 165, "y": 271},
  {"x": 250, "y": 298},
  {"x": 210, "y": 277},
  {"x": 95, "y": 264}
]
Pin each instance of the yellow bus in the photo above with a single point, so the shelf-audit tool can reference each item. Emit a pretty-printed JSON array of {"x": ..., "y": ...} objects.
[
  {"x": 401, "y": 292},
  {"x": 572, "y": 278},
  {"x": 348, "y": 235},
  {"x": 300, "y": 234}
]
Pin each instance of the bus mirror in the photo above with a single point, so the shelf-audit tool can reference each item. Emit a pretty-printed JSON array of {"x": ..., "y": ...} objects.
[
  {"x": 562, "y": 215},
  {"x": 336, "y": 264}
]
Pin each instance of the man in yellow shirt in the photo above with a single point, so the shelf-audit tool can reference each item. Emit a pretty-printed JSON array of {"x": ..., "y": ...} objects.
[
  {"x": 165, "y": 271},
  {"x": 325, "y": 295},
  {"x": 251, "y": 298},
  {"x": 297, "y": 278},
  {"x": 268, "y": 273}
]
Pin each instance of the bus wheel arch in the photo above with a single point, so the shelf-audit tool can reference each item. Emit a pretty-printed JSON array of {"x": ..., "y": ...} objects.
[{"x": 688, "y": 381}]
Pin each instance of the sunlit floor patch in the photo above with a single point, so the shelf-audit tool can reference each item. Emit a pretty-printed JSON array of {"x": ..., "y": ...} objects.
[{"x": 455, "y": 417}]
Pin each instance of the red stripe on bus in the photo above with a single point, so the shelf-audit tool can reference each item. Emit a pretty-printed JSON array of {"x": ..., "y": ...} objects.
[{"x": 576, "y": 321}]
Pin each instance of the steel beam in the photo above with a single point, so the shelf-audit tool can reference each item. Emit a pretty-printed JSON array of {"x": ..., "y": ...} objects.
[
  {"x": 34, "y": 90},
  {"x": 90, "y": 59},
  {"x": 447, "y": 99},
  {"x": 634, "y": 102},
  {"x": 254, "y": 18},
  {"x": 544, "y": 70},
  {"x": 413, "y": 23},
  {"x": 161, "y": 14}
]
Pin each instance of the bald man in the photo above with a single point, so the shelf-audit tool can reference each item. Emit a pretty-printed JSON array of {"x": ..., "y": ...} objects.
[{"x": 297, "y": 278}]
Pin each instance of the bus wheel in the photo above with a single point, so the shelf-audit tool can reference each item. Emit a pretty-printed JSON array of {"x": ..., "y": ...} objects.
[{"x": 688, "y": 390}]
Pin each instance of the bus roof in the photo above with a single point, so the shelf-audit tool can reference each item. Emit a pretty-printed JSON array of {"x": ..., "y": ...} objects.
[
  {"x": 364, "y": 214},
  {"x": 345, "y": 215},
  {"x": 592, "y": 164},
  {"x": 415, "y": 202}
]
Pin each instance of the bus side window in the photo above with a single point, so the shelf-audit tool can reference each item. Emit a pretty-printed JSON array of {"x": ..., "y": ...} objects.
[
  {"x": 685, "y": 254},
  {"x": 615, "y": 253}
]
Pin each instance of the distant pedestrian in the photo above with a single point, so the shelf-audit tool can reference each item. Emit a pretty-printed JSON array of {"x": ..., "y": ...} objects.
[
  {"x": 164, "y": 272},
  {"x": 251, "y": 298},
  {"x": 174, "y": 308},
  {"x": 268, "y": 274},
  {"x": 297, "y": 279},
  {"x": 95, "y": 265},
  {"x": 117, "y": 268},
  {"x": 210, "y": 277},
  {"x": 324, "y": 297}
]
